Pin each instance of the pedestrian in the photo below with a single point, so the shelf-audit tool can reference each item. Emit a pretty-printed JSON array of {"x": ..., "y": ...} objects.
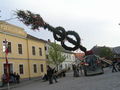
[
  {"x": 81, "y": 69},
  {"x": 4, "y": 78},
  {"x": 45, "y": 77},
  {"x": 14, "y": 75},
  {"x": 55, "y": 75},
  {"x": 77, "y": 71},
  {"x": 118, "y": 64},
  {"x": 50, "y": 74},
  {"x": 113, "y": 66},
  {"x": 74, "y": 70},
  {"x": 18, "y": 78}
]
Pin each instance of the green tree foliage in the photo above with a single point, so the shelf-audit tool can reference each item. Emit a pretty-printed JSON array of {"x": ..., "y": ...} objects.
[
  {"x": 55, "y": 54},
  {"x": 106, "y": 52}
]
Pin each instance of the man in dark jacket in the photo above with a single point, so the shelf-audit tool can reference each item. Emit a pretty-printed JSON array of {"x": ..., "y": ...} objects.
[
  {"x": 55, "y": 75},
  {"x": 50, "y": 74},
  {"x": 18, "y": 78}
]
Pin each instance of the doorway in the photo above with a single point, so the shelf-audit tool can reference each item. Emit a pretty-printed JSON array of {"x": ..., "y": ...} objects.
[{"x": 10, "y": 65}]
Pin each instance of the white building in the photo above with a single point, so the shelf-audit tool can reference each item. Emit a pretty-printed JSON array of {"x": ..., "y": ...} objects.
[{"x": 70, "y": 57}]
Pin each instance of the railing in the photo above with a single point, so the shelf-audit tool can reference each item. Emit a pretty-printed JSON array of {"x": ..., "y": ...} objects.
[{"x": 107, "y": 61}]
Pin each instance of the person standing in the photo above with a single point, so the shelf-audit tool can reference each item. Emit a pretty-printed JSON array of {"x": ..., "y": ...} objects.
[
  {"x": 14, "y": 75},
  {"x": 55, "y": 75},
  {"x": 50, "y": 74},
  {"x": 113, "y": 66},
  {"x": 18, "y": 78},
  {"x": 74, "y": 70},
  {"x": 4, "y": 77},
  {"x": 45, "y": 77},
  {"x": 81, "y": 68}
]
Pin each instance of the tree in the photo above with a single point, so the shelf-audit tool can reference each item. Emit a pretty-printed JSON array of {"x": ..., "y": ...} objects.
[
  {"x": 106, "y": 52},
  {"x": 55, "y": 55}
]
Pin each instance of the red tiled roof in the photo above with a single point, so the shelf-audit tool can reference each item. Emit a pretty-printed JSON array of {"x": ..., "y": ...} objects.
[{"x": 79, "y": 55}]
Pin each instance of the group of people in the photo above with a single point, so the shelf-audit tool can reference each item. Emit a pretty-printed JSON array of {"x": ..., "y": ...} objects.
[
  {"x": 51, "y": 75},
  {"x": 12, "y": 78}
]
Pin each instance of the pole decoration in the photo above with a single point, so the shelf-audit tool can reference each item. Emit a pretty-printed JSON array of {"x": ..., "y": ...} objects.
[{"x": 59, "y": 33}]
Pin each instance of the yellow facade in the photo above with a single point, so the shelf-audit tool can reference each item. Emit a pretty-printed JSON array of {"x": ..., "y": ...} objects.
[{"x": 17, "y": 35}]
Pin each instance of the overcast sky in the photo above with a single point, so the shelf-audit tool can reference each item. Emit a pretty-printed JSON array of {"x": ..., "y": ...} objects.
[{"x": 96, "y": 21}]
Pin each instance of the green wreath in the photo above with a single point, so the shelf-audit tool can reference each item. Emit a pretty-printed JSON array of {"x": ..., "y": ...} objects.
[
  {"x": 59, "y": 33},
  {"x": 75, "y": 43},
  {"x": 73, "y": 33}
]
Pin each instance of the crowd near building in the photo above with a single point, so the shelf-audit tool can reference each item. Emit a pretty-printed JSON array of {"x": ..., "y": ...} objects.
[{"x": 27, "y": 55}]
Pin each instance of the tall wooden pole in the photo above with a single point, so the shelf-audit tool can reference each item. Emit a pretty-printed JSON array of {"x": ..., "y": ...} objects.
[{"x": 7, "y": 66}]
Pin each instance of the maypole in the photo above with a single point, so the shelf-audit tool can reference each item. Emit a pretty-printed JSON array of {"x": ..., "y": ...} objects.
[
  {"x": 7, "y": 65},
  {"x": 35, "y": 21}
]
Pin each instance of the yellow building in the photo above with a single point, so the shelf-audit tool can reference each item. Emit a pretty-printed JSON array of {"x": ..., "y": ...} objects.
[{"x": 26, "y": 55}]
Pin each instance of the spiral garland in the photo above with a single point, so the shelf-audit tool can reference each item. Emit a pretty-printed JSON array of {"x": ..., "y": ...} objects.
[{"x": 59, "y": 33}]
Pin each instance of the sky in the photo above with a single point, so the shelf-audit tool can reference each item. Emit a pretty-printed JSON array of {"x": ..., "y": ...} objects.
[{"x": 96, "y": 21}]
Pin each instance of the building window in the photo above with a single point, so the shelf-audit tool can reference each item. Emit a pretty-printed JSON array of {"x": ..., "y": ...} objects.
[
  {"x": 20, "y": 48},
  {"x": 67, "y": 56},
  {"x": 21, "y": 69},
  {"x": 33, "y": 50},
  {"x": 35, "y": 68},
  {"x": 9, "y": 47},
  {"x": 10, "y": 65},
  {"x": 42, "y": 69},
  {"x": 45, "y": 48},
  {"x": 40, "y": 51},
  {"x": 65, "y": 65},
  {"x": 60, "y": 67},
  {"x": 4, "y": 45},
  {"x": 47, "y": 56},
  {"x": 70, "y": 56}
]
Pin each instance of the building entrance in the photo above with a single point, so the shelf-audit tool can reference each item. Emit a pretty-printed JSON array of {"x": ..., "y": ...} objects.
[{"x": 10, "y": 68}]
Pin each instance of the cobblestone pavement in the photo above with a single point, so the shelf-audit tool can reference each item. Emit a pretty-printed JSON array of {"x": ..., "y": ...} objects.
[{"x": 106, "y": 81}]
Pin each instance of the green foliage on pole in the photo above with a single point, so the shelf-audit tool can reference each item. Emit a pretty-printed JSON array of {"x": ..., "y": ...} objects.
[{"x": 35, "y": 21}]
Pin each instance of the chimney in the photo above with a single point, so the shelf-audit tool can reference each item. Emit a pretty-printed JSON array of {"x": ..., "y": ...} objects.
[{"x": 49, "y": 40}]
